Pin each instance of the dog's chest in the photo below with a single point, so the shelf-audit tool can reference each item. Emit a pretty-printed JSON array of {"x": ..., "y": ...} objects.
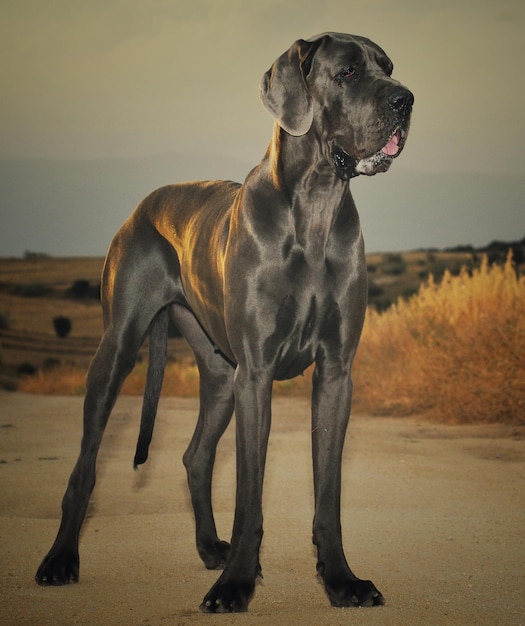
[
  {"x": 302, "y": 322},
  {"x": 317, "y": 300}
]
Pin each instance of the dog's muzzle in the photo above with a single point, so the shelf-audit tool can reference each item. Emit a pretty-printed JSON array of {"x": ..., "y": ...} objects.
[
  {"x": 382, "y": 159},
  {"x": 346, "y": 166}
]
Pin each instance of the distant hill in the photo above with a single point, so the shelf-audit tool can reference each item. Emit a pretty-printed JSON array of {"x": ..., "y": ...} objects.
[{"x": 496, "y": 250}]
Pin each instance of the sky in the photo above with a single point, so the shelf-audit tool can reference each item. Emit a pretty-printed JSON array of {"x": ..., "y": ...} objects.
[{"x": 109, "y": 82}]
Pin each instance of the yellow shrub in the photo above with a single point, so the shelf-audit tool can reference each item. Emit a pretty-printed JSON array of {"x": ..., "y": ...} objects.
[
  {"x": 455, "y": 350},
  {"x": 58, "y": 381},
  {"x": 180, "y": 379}
]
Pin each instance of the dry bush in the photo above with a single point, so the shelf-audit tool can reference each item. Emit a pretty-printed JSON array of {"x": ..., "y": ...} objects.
[
  {"x": 62, "y": 380},
  {"x": 180, "y": 379},
  {"x": 455, "y": 350}
]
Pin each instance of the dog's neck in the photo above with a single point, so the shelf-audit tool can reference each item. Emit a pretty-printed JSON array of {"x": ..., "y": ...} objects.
[
  {"x": 301, "y": 159},
  {"x": 304, "y": 175}
]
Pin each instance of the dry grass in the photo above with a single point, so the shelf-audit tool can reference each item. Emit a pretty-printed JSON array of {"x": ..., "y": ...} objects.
[
  {"x": 181, "y": 379},
  {"x": 35, "y": 314},
  {"x": 54, "y": 272},
  {"x": 58, "y": 381},
  {"x": 455, "y": 350}
]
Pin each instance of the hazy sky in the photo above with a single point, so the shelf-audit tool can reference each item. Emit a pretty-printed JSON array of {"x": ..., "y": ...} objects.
[{"x": 132, "y": 78}]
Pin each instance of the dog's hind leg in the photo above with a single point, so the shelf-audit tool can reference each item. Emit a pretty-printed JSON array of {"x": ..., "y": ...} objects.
[
  {"x": 111, "y": 364},
  {"x": 131, "y": 300},
  {"x": 216, "y": 409}
]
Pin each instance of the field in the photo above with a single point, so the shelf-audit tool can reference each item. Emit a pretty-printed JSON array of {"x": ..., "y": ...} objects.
[{"x": 410, "y": 355}]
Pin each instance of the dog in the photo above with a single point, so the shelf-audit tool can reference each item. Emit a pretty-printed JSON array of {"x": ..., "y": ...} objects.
[{"x": 263, "y": 279}]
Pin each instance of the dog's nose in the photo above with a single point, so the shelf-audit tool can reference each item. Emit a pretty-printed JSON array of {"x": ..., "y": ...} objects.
[{"x": 401, "y": 100}]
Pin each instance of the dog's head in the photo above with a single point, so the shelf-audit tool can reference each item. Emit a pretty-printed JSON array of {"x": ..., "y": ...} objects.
[{"x": 339, "y": 87}]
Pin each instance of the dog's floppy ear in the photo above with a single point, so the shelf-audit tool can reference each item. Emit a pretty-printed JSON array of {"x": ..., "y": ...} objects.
[{"x": 284, "y": 91}]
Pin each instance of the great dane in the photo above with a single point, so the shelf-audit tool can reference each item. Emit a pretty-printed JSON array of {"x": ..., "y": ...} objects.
[{"x": 262, "y": 279}]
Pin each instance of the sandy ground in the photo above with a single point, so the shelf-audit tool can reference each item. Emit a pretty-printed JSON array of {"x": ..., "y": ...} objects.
[{"x": 434, "y": 515}]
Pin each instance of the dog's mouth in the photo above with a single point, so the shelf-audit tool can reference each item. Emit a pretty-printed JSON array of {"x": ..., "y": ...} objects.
[
  {"x": 347, "y": 166},
  {"x": 382, "y": 159},
  {"x": 394, "y": 145}
]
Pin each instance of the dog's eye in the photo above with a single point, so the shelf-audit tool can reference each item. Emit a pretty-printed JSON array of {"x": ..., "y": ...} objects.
[{"x": 348, "y": 72}]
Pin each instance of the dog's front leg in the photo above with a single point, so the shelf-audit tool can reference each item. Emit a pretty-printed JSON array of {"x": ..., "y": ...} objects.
[
  {"x": 332, "y": 393},
  {"x": 235, "y": 587}
]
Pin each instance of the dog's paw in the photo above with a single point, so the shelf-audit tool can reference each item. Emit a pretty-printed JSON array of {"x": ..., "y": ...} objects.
[
  {"x": 228, "y": 595},
  {"x": 59, "y": 568},
  {"x": 215, "y": 555},
  {"x": 354, "y": 592}
]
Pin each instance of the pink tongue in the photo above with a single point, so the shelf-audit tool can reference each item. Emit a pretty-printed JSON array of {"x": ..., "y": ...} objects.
[{"x": 392, "y": 147}]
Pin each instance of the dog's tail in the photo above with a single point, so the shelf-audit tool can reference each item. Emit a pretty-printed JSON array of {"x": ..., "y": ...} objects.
[{"x": 158, "y": 340}]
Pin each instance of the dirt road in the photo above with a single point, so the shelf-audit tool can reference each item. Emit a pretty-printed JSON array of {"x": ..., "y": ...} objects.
[{"x": 434, "y": 515}]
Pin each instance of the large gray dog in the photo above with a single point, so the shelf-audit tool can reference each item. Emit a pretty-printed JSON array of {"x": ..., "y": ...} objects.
[{"x": 262, "y": 279}]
